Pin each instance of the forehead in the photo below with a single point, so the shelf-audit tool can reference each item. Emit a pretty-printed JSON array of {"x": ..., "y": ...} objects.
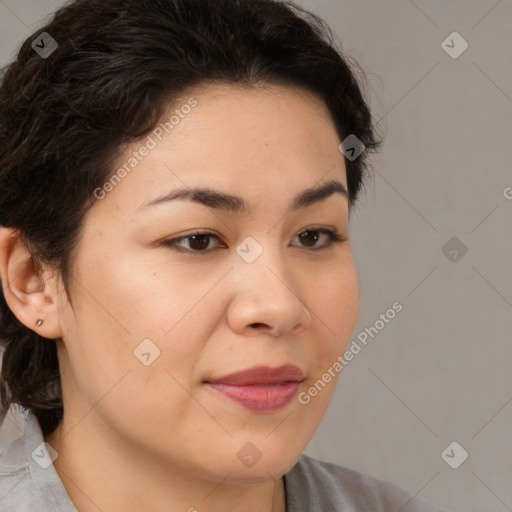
[{"x": 244, "y": 139}]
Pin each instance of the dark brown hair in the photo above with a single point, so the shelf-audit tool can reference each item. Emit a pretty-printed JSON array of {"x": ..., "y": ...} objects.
[{"x": 65, "y": 119}]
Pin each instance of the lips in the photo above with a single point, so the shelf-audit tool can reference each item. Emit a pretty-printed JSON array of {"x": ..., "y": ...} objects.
[
  {"x": 262, "y": 375},
  {"x": 260, "y": 389}
]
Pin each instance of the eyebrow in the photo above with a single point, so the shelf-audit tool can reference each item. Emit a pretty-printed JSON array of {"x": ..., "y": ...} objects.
[{"x": 235, "y": 204}]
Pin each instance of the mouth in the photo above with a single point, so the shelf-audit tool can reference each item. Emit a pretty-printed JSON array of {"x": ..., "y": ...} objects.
[{"x": 260, "y": 389}]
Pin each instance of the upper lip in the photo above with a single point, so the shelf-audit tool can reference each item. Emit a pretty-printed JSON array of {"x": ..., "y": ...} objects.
[{"x": 261, "y": 375}]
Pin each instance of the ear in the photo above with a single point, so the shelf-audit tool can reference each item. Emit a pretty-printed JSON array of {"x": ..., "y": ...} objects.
[{"x": 26, "y": 292}]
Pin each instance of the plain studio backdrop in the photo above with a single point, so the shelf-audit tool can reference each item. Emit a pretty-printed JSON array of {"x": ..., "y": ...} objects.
[{"x": 432, "y": 385}]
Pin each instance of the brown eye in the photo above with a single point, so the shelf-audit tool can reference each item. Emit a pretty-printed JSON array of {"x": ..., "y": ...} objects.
[
  {"x": 200, "y": 242},
  {"x": 197, "y": 243},
  {"x": 310, "y": 237}
]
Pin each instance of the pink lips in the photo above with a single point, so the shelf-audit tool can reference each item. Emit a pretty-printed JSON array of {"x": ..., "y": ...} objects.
[{"x": 261, "y": 389}]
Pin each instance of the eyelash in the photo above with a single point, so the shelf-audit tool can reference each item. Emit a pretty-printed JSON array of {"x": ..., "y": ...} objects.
[{"x": 334, "y": 238}]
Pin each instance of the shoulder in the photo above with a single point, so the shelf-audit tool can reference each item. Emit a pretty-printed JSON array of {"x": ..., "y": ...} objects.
[
  {"x": 313, "y": 485},
  {"x": 28, "y": 480},
  {"x": 16, "y": 487}
]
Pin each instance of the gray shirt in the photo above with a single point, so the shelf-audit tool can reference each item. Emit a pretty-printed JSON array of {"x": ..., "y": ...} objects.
[{"x": 29, "y": 482}]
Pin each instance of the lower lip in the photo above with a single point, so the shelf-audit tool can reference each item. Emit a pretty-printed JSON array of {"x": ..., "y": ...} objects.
[{"x": 260, "y": 398}]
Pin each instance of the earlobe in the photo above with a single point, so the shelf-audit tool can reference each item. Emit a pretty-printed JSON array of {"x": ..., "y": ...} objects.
[{"x": 33, "y": 302}]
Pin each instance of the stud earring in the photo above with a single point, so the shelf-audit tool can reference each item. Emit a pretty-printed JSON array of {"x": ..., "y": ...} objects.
[{"x": 40, "y": 322}]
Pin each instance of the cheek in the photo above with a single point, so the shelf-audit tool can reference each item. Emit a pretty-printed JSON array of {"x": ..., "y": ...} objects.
[
  {"x": 335, "y": 306},
  {"x": 102, "y": 373},
  {"x": 347, "y": 298},
  {"x": 336, "y": 303},
  {"x": 126, "y": 315}
]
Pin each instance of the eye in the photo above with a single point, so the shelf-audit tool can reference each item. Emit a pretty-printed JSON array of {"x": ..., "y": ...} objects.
[
  {"x": 311, "y": 236},
  {"x": 199, "y": 242}
]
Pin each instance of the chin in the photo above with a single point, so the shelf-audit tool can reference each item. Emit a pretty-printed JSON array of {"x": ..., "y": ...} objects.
[
  {"x": 263, "y": 470},
  {"x": 255, "y": 475}
]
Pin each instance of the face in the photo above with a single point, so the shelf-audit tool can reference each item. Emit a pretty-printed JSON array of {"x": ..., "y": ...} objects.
[{"x": 169, "y": 296}]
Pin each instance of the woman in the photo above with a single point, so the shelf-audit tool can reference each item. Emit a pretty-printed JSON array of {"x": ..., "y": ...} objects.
[{"x": 176, "y": 178}]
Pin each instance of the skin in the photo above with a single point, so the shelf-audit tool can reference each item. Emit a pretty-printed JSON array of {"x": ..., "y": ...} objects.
[{"x": 155, "y": 437}]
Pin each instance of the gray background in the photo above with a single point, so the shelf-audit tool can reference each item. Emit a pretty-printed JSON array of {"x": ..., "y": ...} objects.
[{"x": 439, "y": 371}]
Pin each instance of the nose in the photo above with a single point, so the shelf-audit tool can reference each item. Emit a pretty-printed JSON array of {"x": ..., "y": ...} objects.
[{"x": 267, "y": 298}]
